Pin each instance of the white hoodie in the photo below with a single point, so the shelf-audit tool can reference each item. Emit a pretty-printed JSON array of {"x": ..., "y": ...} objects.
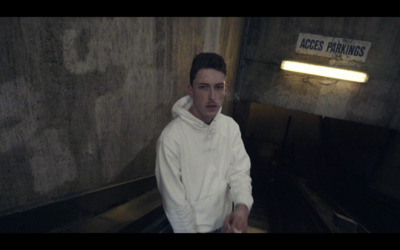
[{"x": 201, "y": 169}]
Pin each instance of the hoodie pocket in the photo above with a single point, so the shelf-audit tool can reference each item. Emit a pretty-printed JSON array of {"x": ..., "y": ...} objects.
[{"x": 211, "y": 211}]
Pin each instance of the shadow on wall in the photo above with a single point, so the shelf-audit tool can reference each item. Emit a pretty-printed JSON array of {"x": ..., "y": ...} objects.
[{"x": 316, "y": 148}]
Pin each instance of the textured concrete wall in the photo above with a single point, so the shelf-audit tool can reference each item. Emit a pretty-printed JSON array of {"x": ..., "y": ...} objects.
[
  {"x": 83, "y": 100},
  {"x": 271, "y": 40}
]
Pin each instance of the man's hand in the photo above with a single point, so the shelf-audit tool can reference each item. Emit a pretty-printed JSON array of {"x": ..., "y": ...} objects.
[{"x": 236, "y": 222}]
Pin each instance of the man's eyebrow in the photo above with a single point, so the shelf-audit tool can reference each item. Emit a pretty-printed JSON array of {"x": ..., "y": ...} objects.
[{"x": 204, "y": 83}]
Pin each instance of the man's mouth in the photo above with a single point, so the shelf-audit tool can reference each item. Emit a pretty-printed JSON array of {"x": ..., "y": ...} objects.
[{"x": 211, "y": 106}]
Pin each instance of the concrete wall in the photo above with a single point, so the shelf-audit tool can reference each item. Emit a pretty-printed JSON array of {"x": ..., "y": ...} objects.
[
  {"x": 269, "y": 40},
  {"x": 84, "y": 99}
]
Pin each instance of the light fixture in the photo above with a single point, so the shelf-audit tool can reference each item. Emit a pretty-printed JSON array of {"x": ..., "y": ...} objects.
[{"x": 330, "y": 72}]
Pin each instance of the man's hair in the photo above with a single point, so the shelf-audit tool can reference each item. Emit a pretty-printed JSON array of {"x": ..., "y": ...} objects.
[{"x": 207, "y": 61}]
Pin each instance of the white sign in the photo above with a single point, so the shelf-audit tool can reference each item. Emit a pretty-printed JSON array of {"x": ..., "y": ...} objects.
[{"x": 339, "y": 48}]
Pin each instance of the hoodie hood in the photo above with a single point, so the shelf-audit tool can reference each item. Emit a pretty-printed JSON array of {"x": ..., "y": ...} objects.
[{"x": 181, "y": 110}]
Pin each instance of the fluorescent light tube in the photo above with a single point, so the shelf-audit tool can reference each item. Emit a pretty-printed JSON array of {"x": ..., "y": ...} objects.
[{"x": 330, "y": 72}]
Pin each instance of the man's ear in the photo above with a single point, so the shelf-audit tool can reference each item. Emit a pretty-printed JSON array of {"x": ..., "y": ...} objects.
[{"x": 189, "y": 90}]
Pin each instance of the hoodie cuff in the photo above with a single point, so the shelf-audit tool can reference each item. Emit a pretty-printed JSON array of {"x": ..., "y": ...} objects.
[{"x": 246, "y": 200}]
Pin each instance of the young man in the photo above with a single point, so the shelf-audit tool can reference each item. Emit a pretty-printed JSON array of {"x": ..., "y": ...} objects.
[{"x": 202, "y": 168}]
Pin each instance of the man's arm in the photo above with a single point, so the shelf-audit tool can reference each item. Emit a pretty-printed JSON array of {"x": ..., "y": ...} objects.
[
  {"x": 240, "y": 187},
  {"x": 168, "y": 175}
]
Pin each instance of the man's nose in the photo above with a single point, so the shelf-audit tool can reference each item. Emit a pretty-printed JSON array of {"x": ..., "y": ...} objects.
[{"x": 211, "y": 94}]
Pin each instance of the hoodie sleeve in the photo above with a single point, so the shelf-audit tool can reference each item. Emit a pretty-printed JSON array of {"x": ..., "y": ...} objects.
[
  {"x": 172, "y": 190},
  {"x": 239, "y": 173}
]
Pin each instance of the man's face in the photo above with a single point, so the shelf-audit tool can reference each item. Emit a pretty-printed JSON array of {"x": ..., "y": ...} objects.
[{"x": 208, "y": 94}]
